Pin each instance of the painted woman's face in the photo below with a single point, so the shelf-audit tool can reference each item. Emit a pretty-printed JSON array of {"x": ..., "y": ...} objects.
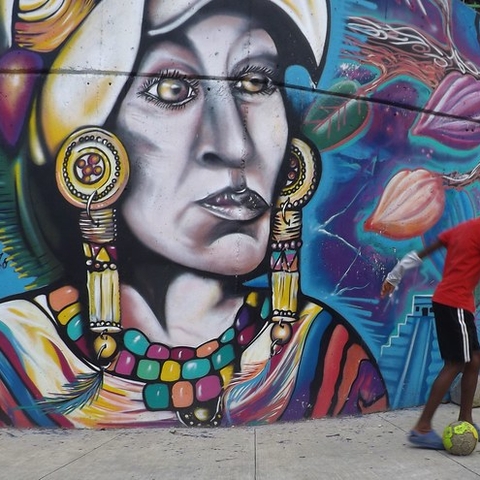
[{"x": 206, "y": 133}]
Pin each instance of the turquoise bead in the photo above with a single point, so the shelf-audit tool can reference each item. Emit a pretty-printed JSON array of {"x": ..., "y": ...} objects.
[
  {"x": 74, "y": 328},
  {"x": 223, "y": 357},
  {"x": 156, "y": 396},
  {"x": 196, "y": 368},
  {"x": 148, "y": 369},
  {"x": 228, "y": 336},
  {"x": 136, "y": 342}
]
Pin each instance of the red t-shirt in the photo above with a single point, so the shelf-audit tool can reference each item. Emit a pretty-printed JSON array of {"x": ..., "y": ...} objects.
[{"x": 461, "y": 272}]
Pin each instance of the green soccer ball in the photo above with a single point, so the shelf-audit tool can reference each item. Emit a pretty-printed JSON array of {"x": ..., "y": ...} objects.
[{"x": 460, "y": 438}]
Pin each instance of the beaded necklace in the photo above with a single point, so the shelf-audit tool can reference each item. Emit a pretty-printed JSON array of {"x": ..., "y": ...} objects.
[{"x": 189, "y": 381}]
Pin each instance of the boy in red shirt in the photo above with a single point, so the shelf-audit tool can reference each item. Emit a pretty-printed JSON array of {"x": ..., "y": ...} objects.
[{"x": 454, "y": 308}]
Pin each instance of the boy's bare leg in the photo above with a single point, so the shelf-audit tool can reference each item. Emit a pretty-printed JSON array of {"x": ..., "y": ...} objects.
[
  {"x": 468, "y": 386},
  {"x": 440, "y": 387}
]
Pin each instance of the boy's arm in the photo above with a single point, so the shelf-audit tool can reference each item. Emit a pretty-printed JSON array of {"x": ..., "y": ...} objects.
[
  {"x": 410, "y": 260},
  {"x": 429, "y": 249}
]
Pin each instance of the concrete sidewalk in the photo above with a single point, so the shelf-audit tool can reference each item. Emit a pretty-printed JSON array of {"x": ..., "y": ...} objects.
[{"x": 368, "y": 447}]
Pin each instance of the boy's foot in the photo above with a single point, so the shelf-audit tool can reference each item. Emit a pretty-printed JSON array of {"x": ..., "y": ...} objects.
[{"x": 430, "y": 440}]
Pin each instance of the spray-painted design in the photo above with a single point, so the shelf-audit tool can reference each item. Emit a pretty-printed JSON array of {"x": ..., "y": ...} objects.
[{"x": 199, "y": 201}]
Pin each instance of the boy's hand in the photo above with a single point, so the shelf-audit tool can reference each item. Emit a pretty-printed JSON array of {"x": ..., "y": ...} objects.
[{"x": 387, "y": 289}]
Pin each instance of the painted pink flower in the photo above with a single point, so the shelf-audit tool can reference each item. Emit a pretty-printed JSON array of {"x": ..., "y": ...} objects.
[{"x": 455, "y": 102}]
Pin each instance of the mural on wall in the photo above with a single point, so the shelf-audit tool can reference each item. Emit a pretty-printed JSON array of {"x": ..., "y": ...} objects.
[{"x": 199, "y": 201}]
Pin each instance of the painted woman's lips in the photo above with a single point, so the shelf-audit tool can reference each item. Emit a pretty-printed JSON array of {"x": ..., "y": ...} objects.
[{"x": 231, "y": 205}]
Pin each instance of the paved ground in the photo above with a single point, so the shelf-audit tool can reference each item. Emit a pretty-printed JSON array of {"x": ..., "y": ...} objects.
[{"x": 370, "y": 447}]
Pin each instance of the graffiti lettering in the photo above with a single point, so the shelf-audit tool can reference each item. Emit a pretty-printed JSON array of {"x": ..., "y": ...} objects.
[{"x": 3, "y": 261}]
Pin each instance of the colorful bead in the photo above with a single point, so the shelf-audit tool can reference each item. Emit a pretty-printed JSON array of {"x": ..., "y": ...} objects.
[
  {"x": 171, "y": 371},
  {"x": 148, "y": 369},
  {"x": 242, "y": 320},
  {"x": 202, "y": 415},
  {"x": 226, "y": 374},
  {"x": 156, "y": 396},
  {"x": 246, "y": 336},
  {"x": 207, "y": 349},
  {"x": 252, "y": 299},
  {"x": 208, "y": 388},
  {"x": 228, "y": 336},
  {"x": 75, "y": 328},
  {"x": 136, "y": 342},
  {"x": 64, "y": 296},
  {"x": 182, "y": 394},
  {"x": 281, "y": 333},
  {"x": 182, "y": 353},
  {"x": 105, "y": 346},
  {"x": 196, "y": 368},
  {"x": 125, "y": 363},
  {"x": 223, "y": 357},
  {"x": 68, "y": 313},
  {"x": 158, "y": 351}
]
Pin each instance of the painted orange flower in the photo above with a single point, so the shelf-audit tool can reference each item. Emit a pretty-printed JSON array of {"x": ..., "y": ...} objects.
[{"x": 411, "y": 204}]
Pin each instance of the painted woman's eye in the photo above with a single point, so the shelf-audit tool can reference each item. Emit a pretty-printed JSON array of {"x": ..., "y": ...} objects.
[
  {"x": 254, "y": 83},
  {"x": 169, "y": 91}
]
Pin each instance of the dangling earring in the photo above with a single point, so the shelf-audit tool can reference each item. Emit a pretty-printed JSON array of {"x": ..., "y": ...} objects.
[
  {"x": 92, "y": 170},
  {"x": 302, "y": 180}
]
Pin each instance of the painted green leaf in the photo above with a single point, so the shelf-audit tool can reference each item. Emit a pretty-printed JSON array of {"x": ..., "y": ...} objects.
[{"x": 335, "y": 117}]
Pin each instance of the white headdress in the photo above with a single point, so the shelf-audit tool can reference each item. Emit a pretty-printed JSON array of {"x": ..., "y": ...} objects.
[
  {"x": 310, "y": 16},
  {"x": 94, "y": 64}
]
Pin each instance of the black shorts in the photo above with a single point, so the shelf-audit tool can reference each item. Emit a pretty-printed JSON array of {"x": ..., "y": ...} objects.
[{"x": 456, "y": 332}]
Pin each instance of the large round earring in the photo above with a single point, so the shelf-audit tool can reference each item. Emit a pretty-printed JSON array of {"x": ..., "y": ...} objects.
[
  {"x": 92, "y": 170},
  {"x": 301, "y": 182}
]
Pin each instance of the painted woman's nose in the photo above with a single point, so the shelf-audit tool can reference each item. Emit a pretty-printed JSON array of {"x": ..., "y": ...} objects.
[{"x": 224, "y": 136}]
